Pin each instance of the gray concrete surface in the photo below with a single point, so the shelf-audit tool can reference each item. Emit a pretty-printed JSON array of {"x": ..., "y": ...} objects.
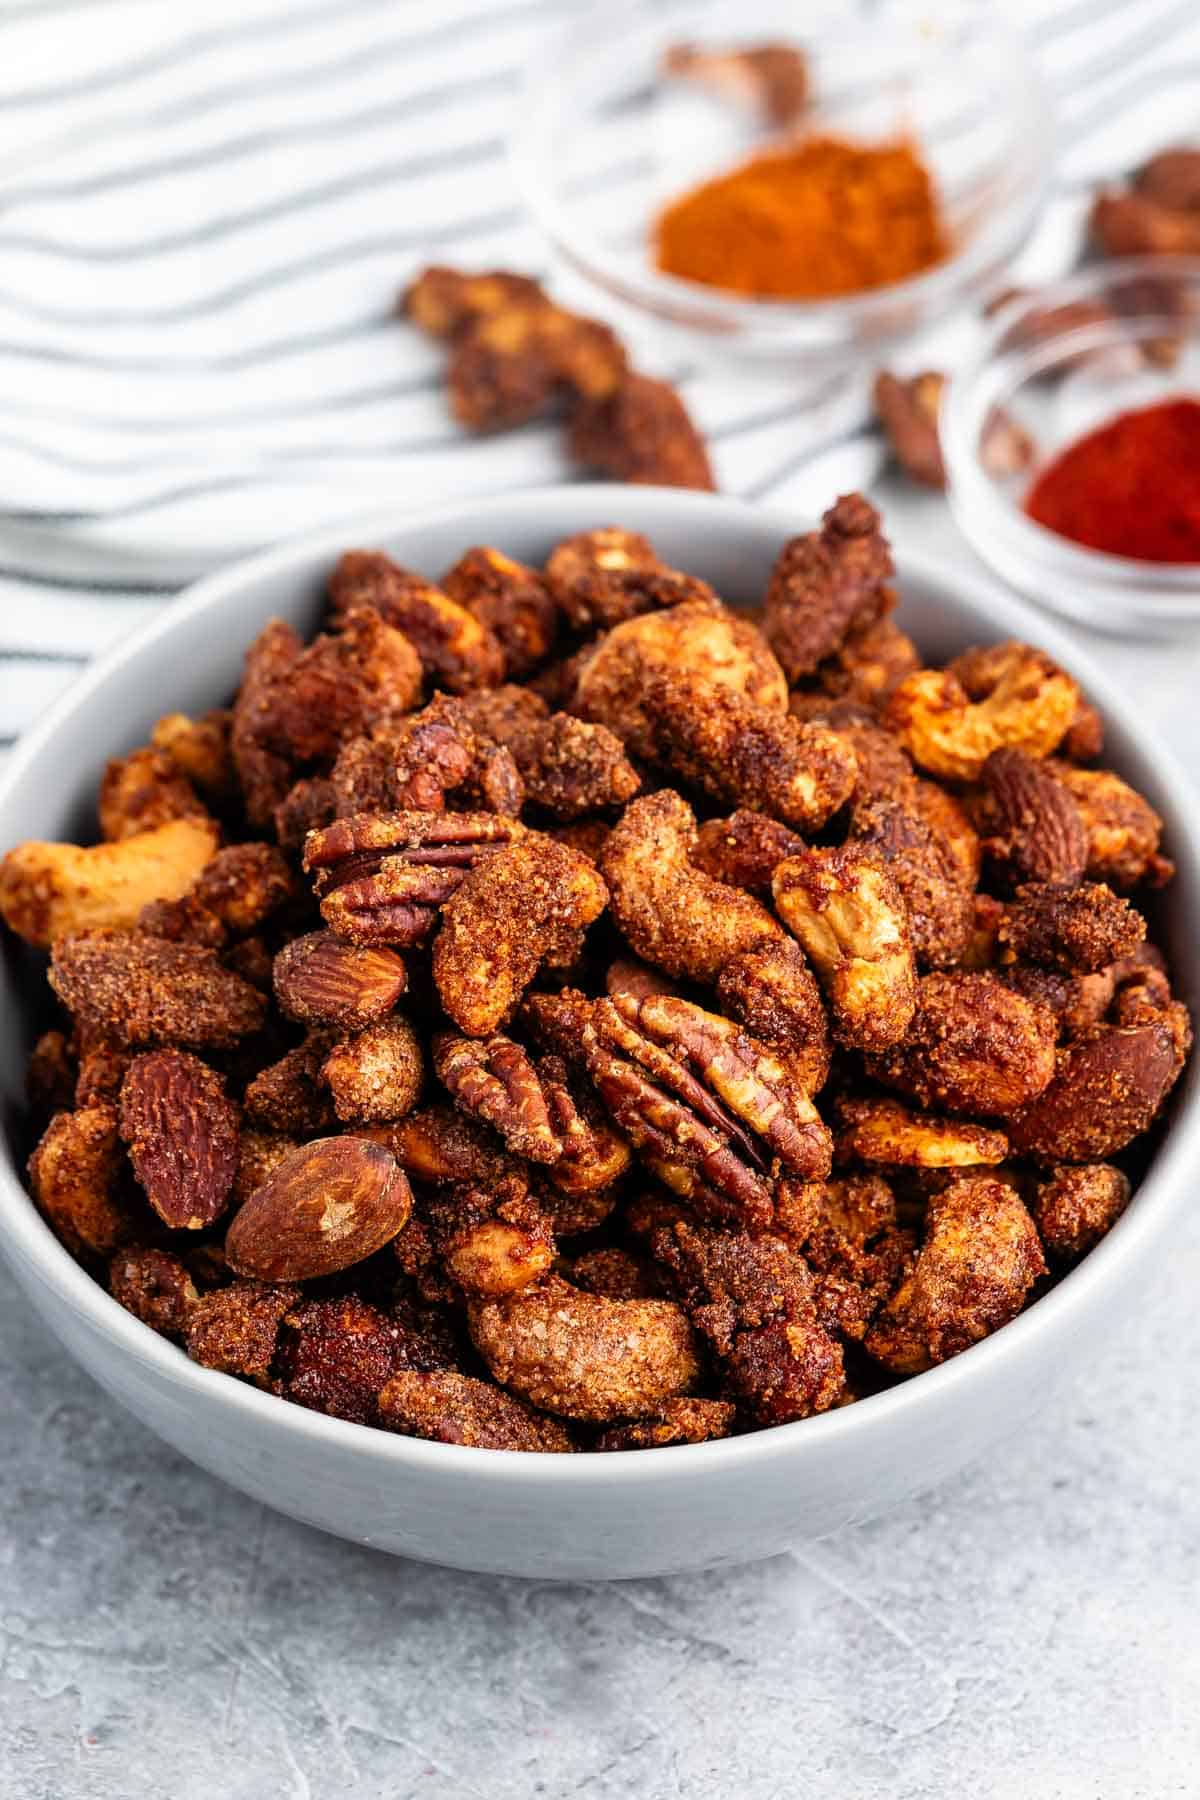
[{"x": 1030, "y": 1632}]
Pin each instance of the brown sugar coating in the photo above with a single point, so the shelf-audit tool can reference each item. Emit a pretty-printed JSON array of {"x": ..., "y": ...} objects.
[
  {"x": 1075, "y": 1207},
  {"x": 581, "y": 1356},
  {"x": 377, "y": 1074},
  {"x": 826, "y": 585},
  {"x": 1108, "y": 1087},
  {"x": 697, "y": 638},
  {"x": 334, "y": 1356},
  {"x": 979, "y": 1258},
  {"x": 884, "y": 1132},
  {"x": 725, "y": 746},
  {"x": 848, "y": 913},
  {"x": 426, "y": 1060},
  {"x": 236, "y": 1329},
  {"x": 142, "y": 790},
  {"x": 744, "y": 850},
  {"x": 1079, "y": 930},
  {"x": 155, "y": 1287},
  {"x": 671, "y": 913},
  {"x": 525, "y": 906},
  {"x": 1123, "y": 830},
  {"x": 511, "y": 601},
  {"x": 455, "y": 646},
  {"x": 146, "y": 991},
  {"x": 602, "y": 578},
  {"x": 457, "y": 1409},
  {"x": 686, "y": 1421},
  {"x": 641, "y": 432},
  {"x": 973, "y": 1047},
  {"x": 73, "y": 1175},
  {"x": 752, "y": 1297},
  {"x": 444, "y": 301}
]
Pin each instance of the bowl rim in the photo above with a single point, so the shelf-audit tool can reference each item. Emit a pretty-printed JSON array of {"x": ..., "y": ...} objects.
[
  {"x": 1162, "y": 589},
  {"x": 28, "y": 1240},
  {"x": 724, "y": 312}
]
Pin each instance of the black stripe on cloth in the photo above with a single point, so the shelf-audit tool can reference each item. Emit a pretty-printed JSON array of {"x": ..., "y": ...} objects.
[
  {"x": 336, "y": 256},
  {"x": 42, "y": 656},
  {"x": 89, "y": 586},
  {"x": 368, "y": 325}
]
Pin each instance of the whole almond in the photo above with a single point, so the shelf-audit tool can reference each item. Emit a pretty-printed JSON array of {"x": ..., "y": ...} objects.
[
  {"x": 182, "y": 1133},
  {"x": 1036, "y": 829},
  {"x": 326, "y": 1206},
  {"x": 321, "y": 980}
]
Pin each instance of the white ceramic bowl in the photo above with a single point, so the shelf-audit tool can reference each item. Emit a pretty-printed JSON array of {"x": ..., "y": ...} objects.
[{"x": 589, "y": 1516}]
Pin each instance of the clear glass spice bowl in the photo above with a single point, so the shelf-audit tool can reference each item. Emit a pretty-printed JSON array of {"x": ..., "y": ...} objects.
[
  {"x": 604, "y": 142},
  {"x": 1116, "y": 338}
]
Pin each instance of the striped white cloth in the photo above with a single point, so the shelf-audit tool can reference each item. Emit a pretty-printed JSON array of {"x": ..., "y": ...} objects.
[{"x": 205, "y": 216}]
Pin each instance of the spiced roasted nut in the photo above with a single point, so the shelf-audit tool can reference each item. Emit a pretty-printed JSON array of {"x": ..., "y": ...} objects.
[
  {"x": 753, "y": 1298},
  {"x": 669, "y": 911},
  {"x": 493, "y": 1080},
  {"x": 1024, "y": 701},
  {"x": 730, "y": 749},
  {"x": 973, "y": 1047},
  {"x": 869, "y": 663},
  {"x": 907, "y": 409},
  {"x": 335, "y": 1355},
  {"x": 326, "y": 1206},
  {"x": 849, "y": 915},
  {"x": 49, "y": 891},
  {"x": 744, "y": 850},
  {"x": 513, "y": 364},
  {"x": 773, "y": 80},
  {"x": 199, "y": 748},
  {"x": 923, "y": 837},
  {"x": 141, "y": 791},
  {"x": 1074, "y": 1207},
  {"x": 456, "y": 648},
  {"x": 569, "y": 768},
  {"x": 74, "y": 1175},
  {"x": 686, "y": 1421},
  {"x": 640, "y": 432},
  {"x": 424, "y": 762},
  {"x": 511, "y": 601},
  {"x": 1079, "y": 929},
  {"x": 382, "y": 877},
  {"x": 827, "y": 584},
  {"x": 236, "y": 1328},
  {"x": 155, "y": 1287},
  {"x": 771, "y": 991},
  {"x": 697, "y": 638},
  {"x": 973, "y": 1273},
  {"x": 884, "y": 1132},
  {"x": 602, "y": 578},
  {"x": 1108, "y": 1087},
  {"x": 581, "y": 1356},
  {"x": 1122, "y": 828},
  {"x": 441, "y": 1146},
  {"x": 377, "y": 1073},
  {"x": 321, "y": 980},
  {"x": 143, "y": 991},
  {"x": 458, "y": 1409},
  {"x": 526, "y": 905},
  {"x": 1034, "y": 829},
  {"x": 493, "y": 1242},
  {"x": 290, "y": 1095},
  {"x": 181, "y": 1130}
]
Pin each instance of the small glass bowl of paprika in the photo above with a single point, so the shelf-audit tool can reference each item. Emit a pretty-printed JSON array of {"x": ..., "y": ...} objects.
[
  {"x": 1102, "y": 373},
  {"x": 905, "y": 180}
]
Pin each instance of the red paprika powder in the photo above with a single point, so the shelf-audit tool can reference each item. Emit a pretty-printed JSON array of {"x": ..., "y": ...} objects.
[{"x": 1131, "y": 487}]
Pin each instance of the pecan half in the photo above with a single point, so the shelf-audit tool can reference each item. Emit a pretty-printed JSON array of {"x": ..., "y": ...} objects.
[
  {"x": 493, "y": 1079},
  {"x": 381, "y": 878},
  {"x": 182, "y": 1134}
]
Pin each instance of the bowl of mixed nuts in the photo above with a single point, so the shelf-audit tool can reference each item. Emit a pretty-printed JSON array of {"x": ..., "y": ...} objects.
[{"x": 596, "y": 1034}]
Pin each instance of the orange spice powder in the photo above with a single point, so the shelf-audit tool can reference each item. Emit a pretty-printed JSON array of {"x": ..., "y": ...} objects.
[{"x": 818, "y": 219}]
